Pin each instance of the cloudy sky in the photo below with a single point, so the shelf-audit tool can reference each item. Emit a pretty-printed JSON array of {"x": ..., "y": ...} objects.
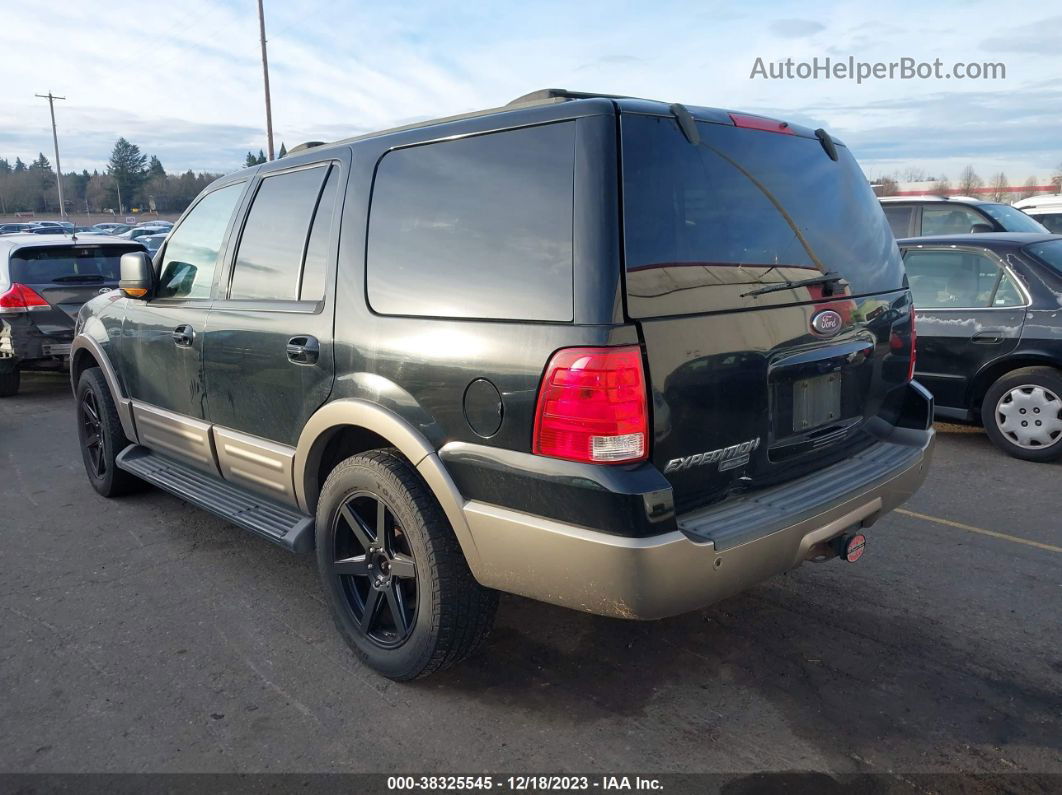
[{"x": 182, "y": 79}]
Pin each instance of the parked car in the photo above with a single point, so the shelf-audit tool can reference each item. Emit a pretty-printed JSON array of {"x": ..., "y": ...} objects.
[
  {"x": 43, "y": 283},
  {"x": 9, "y": 229},
  {"x": 163, "y": 224},
  {"x": 141, "y": 231},
  {"x": 1047, "y": 210},
  {"x": 112, "y": 229},
  {"x": 151, "y": 242},
  {"x": 915, "y": 216},
  {"x": 990, "y": 334},
  {"x": 48, "y": 229},
  {"x": 430, "y": 354}
]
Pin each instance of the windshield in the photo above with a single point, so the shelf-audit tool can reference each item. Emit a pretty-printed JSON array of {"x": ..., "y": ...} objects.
[
  {"x": 42, "y": 265},
  {"x": 1012, "y": 219},
  {"x": 744, "y": 206},
  {"x": 1049, "y": 252}
]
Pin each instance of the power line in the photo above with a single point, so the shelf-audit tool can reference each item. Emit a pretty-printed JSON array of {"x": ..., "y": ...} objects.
[{"x": 55, "y": 140}]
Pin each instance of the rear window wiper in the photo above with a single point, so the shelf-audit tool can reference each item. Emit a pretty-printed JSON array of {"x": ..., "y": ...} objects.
[
  {"x": 80, "y": 277},
  {"x": 831, "y": 278}
]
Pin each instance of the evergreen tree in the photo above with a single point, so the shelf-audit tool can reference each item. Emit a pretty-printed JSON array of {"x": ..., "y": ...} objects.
[
  {"x": 155, "y": 168},
  {"x": 19, "y": 165},
  {"x": 128, "y": 168},
  {"x": 5, "y": 167},
  {"x": 251, "y": 160},
  {"x": 283, "y": 150},
  {"x": 41, "y": 163},
  {"x": 261, "y": 157}
]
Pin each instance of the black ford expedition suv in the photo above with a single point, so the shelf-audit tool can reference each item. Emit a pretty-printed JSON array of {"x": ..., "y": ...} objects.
[{"x": 613, "y": 354}]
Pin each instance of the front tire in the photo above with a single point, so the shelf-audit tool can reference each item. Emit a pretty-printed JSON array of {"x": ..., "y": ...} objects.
[
  {"x": 399, "y": 588},
  {"x": 1022, "y": 413},
  {"x": 101, "y": 436}
]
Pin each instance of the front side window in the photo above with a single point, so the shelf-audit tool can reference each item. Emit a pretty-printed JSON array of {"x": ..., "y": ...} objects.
[
  {"x": 192, "y": 251},
  {"x": 956, "y": 279},
  {"x": 274, "y": 237},
  {"x": 478, "y": 227},
  {"x": 950, "y": 219}
]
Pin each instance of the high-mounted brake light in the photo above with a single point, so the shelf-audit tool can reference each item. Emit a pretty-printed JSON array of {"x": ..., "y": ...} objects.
[
  {"x": 592, "y": 406},
  {"x": 760, "y": 123},
  {"x": 21, "y": 297}
]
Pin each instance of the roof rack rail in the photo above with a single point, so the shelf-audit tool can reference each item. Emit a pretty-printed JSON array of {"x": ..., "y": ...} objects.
[
  {"x": 545, "y": 94},
  {"x": 303, "y": 147}
]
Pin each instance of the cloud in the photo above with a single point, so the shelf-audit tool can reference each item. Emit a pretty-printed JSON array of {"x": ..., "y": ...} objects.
[
  {"x": 796, "y": 28},
  {"x": 1040, "y": 38}
]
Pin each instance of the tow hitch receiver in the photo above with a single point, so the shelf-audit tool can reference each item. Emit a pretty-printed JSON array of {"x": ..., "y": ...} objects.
[{"x": 850, "y": 546}]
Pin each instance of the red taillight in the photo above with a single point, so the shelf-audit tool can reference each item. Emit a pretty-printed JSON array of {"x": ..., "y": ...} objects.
[
  {"x": 914, "y": 347},
  {"x": 760, "y": 123},
  {"x": 19, "y": 296},
  {"x": 592, "y": 406}
]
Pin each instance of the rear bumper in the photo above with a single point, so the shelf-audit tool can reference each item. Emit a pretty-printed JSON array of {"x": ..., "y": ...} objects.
[{"x": 675, "y": 572}]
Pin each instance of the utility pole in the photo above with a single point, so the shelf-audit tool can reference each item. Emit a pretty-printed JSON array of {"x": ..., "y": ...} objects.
[
  {"x": 265, "y": 77},
  {"x": 55, "y": 140}
]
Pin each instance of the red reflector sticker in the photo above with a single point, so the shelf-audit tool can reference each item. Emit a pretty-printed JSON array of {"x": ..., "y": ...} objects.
[{"x": 855, "y": 548}]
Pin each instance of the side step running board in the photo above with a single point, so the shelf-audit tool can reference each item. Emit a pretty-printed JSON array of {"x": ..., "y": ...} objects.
[{"x": 288, "y": 527}]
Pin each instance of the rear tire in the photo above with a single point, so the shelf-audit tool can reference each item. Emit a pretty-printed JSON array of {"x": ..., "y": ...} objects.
[
  {"x": 9, "y": 382},
  {"x": 1022, "y": 413},
  {"x": 399, "y": 588},
  {"x": 101, "y": 436}
]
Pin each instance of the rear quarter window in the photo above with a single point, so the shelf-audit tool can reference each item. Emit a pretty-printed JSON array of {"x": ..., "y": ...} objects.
[{"x": 479, "y": 227}]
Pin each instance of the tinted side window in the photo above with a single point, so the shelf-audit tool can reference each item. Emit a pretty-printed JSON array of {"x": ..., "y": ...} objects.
[
  {"x": 1053, "y": 223},
  {"x": 274, "y": 237},
  {"x": 192, "y": 250},
  {"x": 949, "y": 219},
  {"x": 478, "y": 227},
  {"x": 899, "y": 219},
  {"x": 312, "y": 287},
  {"x": 952, "y": 279}
]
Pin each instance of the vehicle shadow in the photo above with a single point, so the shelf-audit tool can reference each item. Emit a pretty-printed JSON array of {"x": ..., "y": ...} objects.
[{"x": 847, "y": 672}]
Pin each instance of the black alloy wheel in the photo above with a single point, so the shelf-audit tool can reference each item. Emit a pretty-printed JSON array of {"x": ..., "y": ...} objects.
[{"x": 374, "y": 561}]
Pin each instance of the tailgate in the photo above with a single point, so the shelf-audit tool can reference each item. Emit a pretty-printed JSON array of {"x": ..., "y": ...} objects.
[{"x": 753, "y": 388}]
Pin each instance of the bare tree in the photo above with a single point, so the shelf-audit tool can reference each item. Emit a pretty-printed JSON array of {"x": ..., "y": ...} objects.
[
  {"x": 940, "y": 187},
  {"x": 912, "y": 174},
  {"x": 969, "y": 181},
  {"x": 885, "y": 186},
  {"x": 1056, "y": 180},
  {"x": 1029, "y": 188},
  {"x": 1000, "y": 187}
]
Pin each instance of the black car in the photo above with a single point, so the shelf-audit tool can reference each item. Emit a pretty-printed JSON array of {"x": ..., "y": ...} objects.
[
  {"x": 614, "y": 354},
  {"x": 990, "y": 334},
  {"x": 922, "y": 216},
  {"x": 43, "y": 283}
]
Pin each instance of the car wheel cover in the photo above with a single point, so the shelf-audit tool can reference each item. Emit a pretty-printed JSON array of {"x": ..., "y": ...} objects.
[
  {"x": 1030, "y": 417},
  {"x": 373, "y": 563}
]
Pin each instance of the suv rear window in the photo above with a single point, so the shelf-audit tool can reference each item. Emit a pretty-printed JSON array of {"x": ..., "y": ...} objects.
[
  {"x": 43, "y": 265},
  {"x": 739, "y": 207},
  {"x": 1012, "y": 219},
  {"x": 479, "y": 227}
]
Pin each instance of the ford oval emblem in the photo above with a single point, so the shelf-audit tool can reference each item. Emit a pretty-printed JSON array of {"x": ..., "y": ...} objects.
[{"x": 826, "y": 323}]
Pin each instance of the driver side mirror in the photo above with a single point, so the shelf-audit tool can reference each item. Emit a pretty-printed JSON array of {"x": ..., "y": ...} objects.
[
  {"x": 136, "y": 274},
  {"x": 980, "y": 229}
]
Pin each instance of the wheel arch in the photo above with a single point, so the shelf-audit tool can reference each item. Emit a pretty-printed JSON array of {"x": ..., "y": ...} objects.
[
  {"x": 343, "y": 426},
  {"x": 988, "y": 375},
  {"x": 86, "y": 352}
]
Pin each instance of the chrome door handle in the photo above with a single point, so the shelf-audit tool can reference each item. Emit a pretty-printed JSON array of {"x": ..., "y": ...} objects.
[
  {"x": 303, "y": 350},
  {"x": 183, "y": 335}
]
